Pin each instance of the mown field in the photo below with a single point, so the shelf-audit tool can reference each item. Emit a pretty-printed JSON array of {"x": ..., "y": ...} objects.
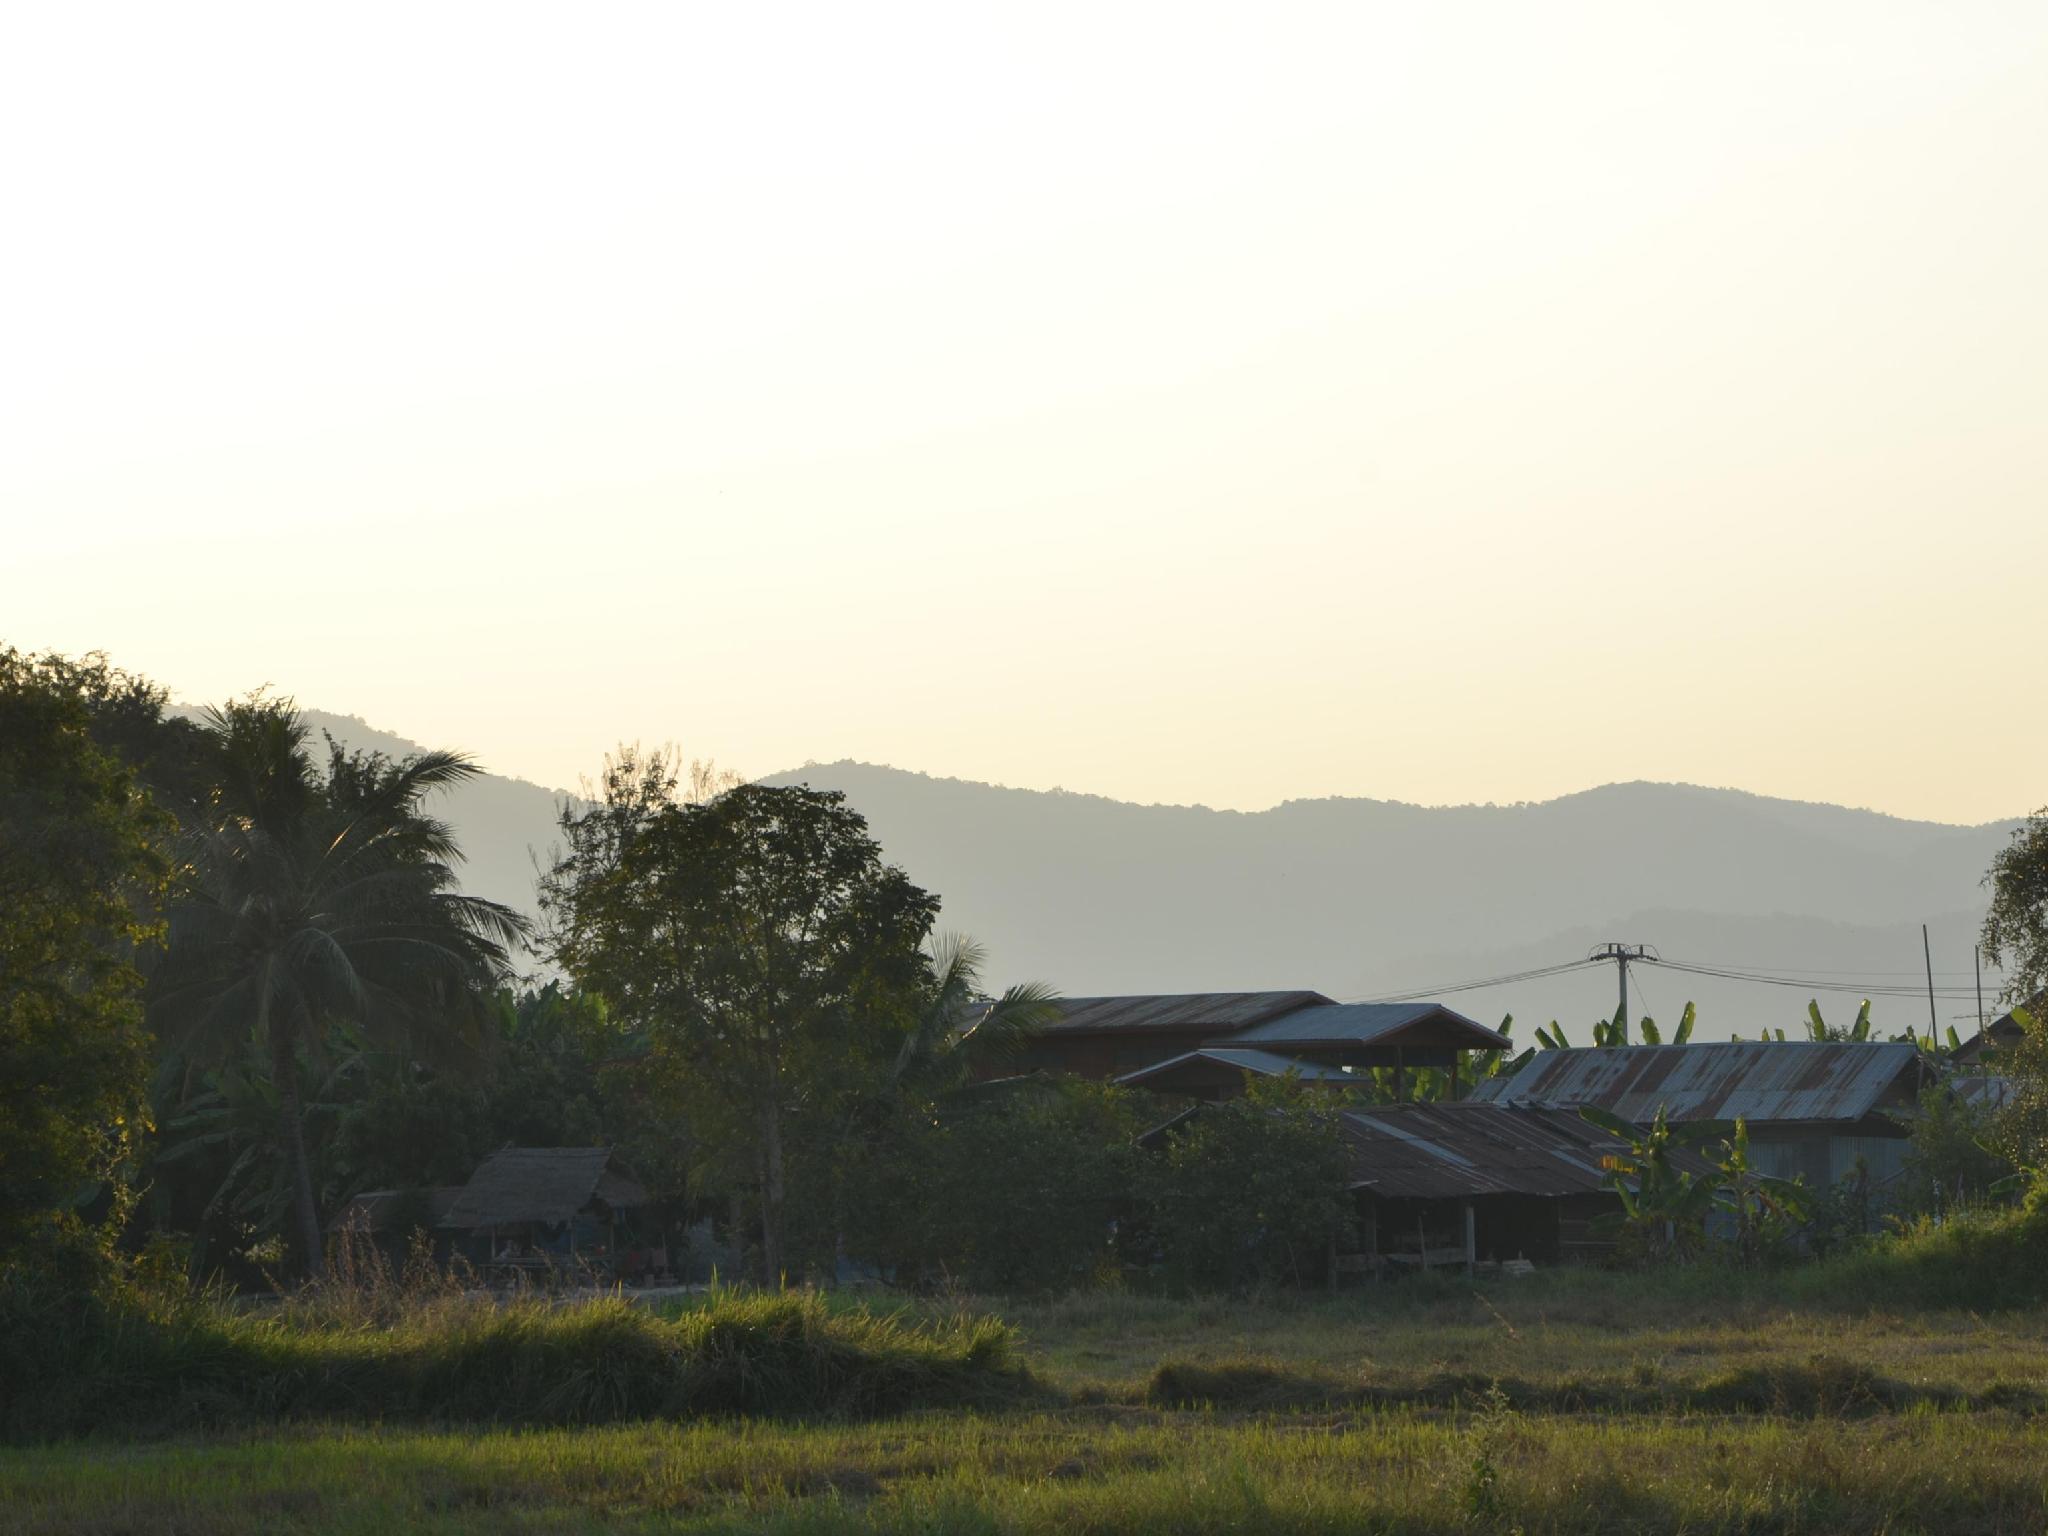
[{"x": 1571, "y": 1402}]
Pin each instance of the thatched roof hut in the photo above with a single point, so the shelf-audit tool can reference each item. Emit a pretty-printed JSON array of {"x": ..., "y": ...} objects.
[{"x": 541, "y": 1184}]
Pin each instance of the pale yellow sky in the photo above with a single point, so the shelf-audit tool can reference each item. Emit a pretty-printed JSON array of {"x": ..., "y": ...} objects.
[{"x": 1228, "y": 405}]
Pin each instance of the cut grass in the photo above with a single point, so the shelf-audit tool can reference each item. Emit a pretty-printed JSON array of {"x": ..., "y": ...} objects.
[{"x": 1071, "y": 1474}]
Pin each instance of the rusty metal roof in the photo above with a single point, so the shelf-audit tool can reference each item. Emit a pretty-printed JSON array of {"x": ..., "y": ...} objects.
[
  {"x": 1263, "y": 1063},
  {"x": 1223, "y": 1012},
  {"x": 1450, "y": 1151},
  {"x": 1779, "y": 1080},
  {"x": 1423, "y": 1024}
]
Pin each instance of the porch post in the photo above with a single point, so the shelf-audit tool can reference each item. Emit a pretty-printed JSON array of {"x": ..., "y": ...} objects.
[{"x": 1471, "y": 1237}]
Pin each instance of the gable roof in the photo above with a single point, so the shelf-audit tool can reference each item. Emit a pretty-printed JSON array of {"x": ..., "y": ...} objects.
[
  {"x": 1372, "y": 1024},
  {"x": 522, "y": 1184},
  {"x": 2002, "y": 1030},
  {"x": 1262, "y": 1063},
  {"x": 1220, "y": 1012},
  {"x": 1796, "y": 1080},
  {"x": 1453, "y": 1150}
]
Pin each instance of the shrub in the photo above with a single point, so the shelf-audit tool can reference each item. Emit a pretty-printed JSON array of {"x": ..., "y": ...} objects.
[
  {"x": 1253, "y": 1191},
  {"x": 1017, "y": 1194},
  {"x": 1978, "y": 1258}
]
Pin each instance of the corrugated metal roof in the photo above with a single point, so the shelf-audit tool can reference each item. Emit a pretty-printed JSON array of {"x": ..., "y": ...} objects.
[
  {"x": 1223, "y": 1012},
  {"x": 522, "y": 1184},
  {"x": 1800, "y": 1080},
  {"x": 1451, "y": 1151},
  {"x": 1373, "y": 1024},
  {"x": 1982, "y": 1092},
  {"x": 1264, "y": 1063}
]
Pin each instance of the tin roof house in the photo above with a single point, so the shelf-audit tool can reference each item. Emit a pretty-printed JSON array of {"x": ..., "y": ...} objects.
[{"x": 1822, "y": 1110}]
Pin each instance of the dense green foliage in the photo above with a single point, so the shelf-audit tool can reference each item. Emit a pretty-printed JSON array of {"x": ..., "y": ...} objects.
[
  {"x": 2016, "y": 926},
  {"x": 1017, "y": 1191},
  {"x": 82, "y": 870},
  {"x": 755, "y": 944},
  {"x": 1951, "y": 1156},
  {"x": 1253, "y": 1191},
  {"x": 320, "y": 901}
]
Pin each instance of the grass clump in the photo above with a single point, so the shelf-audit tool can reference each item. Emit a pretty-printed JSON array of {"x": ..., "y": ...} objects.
[{"x": 111, "y": 1362}]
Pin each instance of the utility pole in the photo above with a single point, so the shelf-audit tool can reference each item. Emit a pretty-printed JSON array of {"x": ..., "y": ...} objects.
[
  {"x": 1621, "y": 954},
  {"x": 1977, "y": 962},
  {"x": 1927, "y": 952}
]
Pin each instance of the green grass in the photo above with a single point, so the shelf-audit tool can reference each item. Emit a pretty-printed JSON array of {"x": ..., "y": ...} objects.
[
  {"x": 82, "y": 1366},
  {"x": 1072, "y": 1473},
  {"x": 1568, "y": 1402}
]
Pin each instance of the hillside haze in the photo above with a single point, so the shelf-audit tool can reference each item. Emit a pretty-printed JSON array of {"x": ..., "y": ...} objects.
[{"x": 1359, "y": 897}]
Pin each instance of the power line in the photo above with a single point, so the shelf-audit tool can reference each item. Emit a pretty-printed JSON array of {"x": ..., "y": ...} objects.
[
  {"x": 1816, "y": 983},
  {"x": 1415, "y": 994}
]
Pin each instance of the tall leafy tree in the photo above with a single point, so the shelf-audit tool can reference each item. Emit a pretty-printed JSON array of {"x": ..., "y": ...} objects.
[
  {"x": 316, "y": 899},
  {"x": 754, "y": 941},
  {"x": 83, "y": 867},
  {"x": 2016, "y": 926}
]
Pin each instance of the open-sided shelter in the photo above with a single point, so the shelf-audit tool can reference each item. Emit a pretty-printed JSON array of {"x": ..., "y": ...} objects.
[
  {"x": 1458, "y": 1183},
  {"x": 552, "y": 1203}
]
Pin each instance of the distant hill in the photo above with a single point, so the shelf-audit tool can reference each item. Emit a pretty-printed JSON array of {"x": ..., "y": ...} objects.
[{"x": 1359, "y": 897}]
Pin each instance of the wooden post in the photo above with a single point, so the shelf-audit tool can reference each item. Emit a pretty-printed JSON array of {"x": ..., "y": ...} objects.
[
  {"x": 1400, "y": 1093},
  {"x": 1471, "y": 1238},
  {"x": 1454, "y": 1075},
  {"x": 1927, "y": 953},
  {"x": 1422, "y": 1241}
]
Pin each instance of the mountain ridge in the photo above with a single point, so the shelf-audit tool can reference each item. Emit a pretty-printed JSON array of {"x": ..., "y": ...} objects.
[{"x": 1357, "y": 897}]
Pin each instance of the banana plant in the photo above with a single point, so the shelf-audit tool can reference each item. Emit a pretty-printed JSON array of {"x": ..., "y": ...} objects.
[
  {"x": 1652, "y": 1035},
  {"x": 1754, "y": 1199},
  {"x": 1818, "y": 1028},
  {"x": 1665, "y": 1205},
  {"x": 1615, "y": 1031}
]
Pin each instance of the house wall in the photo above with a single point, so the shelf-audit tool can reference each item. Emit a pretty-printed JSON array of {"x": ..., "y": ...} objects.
[{"x": 1824, "y": 1160}]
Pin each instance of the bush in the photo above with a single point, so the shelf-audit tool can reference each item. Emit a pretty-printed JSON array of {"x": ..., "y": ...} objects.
[
  {"x": 1947, "y": 1158},
  {"x": 1018, "y": 1194},
  {"x": 1984, "y": 1258},
  {"x": 1254, "y": 1191},
  {"x": 120, "y": 1361}
]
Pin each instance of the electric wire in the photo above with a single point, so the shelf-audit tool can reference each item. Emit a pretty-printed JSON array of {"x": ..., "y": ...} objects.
[{"x": 1417, "y": 994}]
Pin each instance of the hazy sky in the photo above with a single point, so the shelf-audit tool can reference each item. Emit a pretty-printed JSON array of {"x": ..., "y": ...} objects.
[{"x": 1432, "y": 402}]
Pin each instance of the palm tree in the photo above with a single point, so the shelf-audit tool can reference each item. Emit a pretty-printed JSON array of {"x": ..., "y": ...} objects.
[
  {"x": 959, "y": 1031},
  {"x": 320, "y": 899}
]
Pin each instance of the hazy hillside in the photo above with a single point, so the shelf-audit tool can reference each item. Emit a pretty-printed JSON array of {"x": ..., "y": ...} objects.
[
  {"x": 1357, "y": 897},
  {"x": 1360, "y": 897}
]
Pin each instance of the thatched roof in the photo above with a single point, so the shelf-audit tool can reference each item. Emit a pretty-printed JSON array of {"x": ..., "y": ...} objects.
[{"x": 522, "y": 1184}]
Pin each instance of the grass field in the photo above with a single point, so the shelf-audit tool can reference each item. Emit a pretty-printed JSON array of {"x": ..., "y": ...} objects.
[{"x": 1573, "y": 1402}]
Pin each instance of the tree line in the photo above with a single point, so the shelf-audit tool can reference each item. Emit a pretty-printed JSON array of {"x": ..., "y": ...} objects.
[{"x": 240, "y": 982}]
